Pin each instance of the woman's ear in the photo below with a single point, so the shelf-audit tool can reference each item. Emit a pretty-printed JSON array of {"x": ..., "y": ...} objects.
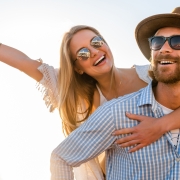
[{"x": 79, "y": 71}]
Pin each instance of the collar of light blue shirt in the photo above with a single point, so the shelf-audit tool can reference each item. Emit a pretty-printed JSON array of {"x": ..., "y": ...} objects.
[{"x": 147, "y": 97}]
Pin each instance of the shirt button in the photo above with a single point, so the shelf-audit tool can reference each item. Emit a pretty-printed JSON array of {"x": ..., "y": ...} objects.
[{"x": 177, "y": 159}]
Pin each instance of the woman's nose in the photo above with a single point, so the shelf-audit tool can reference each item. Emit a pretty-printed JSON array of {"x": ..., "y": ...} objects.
[{"x": 93, "y": 51}]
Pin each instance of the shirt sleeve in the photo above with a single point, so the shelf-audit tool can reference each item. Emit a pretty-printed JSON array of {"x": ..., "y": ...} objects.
[
  {"x": 48, "y": 85},
  {"x": 142, "y": 72},
  {"x": 85, "y": 143}
]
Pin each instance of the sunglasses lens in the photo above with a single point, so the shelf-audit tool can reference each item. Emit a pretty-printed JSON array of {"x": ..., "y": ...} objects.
[
  {"x": 83, "y": 54},
  {"x": 156, "y": 43},
  {"x": 97, "y": 42},
  {"x": 175, "y": 42}
]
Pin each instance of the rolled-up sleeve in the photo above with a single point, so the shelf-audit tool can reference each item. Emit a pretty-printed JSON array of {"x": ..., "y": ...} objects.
[{"x": 83, "y": 144}]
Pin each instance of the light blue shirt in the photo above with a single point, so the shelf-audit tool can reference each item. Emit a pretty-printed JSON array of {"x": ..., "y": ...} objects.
[{"x": 158, "y": 161}]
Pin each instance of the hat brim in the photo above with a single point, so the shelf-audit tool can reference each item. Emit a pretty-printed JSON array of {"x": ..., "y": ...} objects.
[{"x": 149, "y": 26}]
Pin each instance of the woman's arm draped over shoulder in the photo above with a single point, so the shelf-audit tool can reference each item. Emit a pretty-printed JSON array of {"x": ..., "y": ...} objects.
[
  {"x": 85, "y": 143},
  {"x": 21, "y": 61},
  {"x": 149, "y": 130}
]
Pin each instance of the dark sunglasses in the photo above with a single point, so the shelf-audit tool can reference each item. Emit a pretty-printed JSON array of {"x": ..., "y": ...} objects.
[
  {"x": 157, "y": 42},
  {"x": 84, "y": 53}
]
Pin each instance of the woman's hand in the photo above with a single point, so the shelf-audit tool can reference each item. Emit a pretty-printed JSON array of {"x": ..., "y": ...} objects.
[{"x": 145, "y": 133}]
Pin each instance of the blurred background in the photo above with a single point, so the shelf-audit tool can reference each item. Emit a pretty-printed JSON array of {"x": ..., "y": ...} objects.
[{"x": 28, "y": 132}]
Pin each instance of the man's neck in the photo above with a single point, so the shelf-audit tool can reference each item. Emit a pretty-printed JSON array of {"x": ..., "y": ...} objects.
[{"x": 168, "y": 95}]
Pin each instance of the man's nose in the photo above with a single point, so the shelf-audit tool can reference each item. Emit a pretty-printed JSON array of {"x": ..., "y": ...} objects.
[{"x": 166, "y": 48}]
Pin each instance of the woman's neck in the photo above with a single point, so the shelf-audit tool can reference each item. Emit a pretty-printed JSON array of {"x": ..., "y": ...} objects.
[
  {"x": 110, "y": 83},
  {"x": 125, "y": 81}
]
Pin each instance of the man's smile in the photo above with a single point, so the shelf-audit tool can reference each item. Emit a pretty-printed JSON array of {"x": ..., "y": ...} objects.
[{"x": 166, "y": 62}]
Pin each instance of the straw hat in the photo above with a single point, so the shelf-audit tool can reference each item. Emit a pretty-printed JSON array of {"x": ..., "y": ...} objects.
[{"x": 149, "y": 26}]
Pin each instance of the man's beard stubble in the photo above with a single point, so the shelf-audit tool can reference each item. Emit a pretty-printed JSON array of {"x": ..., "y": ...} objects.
[{"x": 161, "y": 75}]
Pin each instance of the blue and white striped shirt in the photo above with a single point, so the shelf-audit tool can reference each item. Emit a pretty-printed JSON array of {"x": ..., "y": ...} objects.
[{"x": 158, "y": 161}]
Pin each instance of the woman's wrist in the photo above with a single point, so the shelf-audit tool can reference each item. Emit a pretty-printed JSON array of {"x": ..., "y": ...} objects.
[
  {"x": 169, "y": 122},
  {"x": 163, "y": 124}
]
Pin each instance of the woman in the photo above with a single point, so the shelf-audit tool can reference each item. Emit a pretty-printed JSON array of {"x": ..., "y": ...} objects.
[{"x": 85, "y": 80}]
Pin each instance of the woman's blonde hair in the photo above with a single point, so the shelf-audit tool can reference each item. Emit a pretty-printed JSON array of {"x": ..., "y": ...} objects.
[{"x": 74, "y": 88}]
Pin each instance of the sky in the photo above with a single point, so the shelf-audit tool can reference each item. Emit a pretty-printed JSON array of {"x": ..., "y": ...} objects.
[{"x": 28, "y": 132}]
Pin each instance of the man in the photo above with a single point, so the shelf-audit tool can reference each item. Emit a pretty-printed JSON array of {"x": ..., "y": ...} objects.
[{"x": 161, "y": 159}]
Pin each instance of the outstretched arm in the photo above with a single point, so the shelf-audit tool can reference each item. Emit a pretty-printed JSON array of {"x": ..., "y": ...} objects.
[
  {"x": 21, "y": 61},
  {"x": 149, "y": 130}
]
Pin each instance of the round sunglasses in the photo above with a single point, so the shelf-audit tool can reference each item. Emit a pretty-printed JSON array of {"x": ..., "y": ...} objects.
[
  {"x": 157, "y": 42},
  {"x": 84, "y": 53}
]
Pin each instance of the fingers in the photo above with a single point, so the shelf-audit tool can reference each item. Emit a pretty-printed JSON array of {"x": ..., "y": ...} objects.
[
  {"x": 130, "y": 130},
  {"x": 135, "y": 116},
  {"x": 133, "y": 143},
  {"x": 136, "y": 148},
  {"x": 125, "y": 139},
  {"x": 139, "y": 136},
  {"x": 130, "y": 143},
  {"x": 122, "y": 131}
]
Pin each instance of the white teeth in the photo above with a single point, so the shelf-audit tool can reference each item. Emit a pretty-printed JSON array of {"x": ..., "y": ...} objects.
[
  {"x": 166, "y": 62},
  {"x": 98, "y": 60}
]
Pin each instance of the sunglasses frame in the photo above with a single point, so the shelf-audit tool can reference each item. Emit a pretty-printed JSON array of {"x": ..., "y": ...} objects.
[
  {"x": 94, "y": 43},
  {"x": 165, "y": 39}
]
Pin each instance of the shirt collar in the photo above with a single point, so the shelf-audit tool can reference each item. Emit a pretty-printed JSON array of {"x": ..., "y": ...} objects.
[{"x": 147, "y": 97}]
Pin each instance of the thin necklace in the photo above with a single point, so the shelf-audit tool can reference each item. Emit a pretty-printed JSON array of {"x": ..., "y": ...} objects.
[
  {"x": 120, "y": 81},
  {"x": 118, "y": 84}
]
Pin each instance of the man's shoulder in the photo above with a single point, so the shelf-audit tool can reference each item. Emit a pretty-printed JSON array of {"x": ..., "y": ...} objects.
[
  {"x": 126, "y": 98},
  {"x": 131, "y": 96}
]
